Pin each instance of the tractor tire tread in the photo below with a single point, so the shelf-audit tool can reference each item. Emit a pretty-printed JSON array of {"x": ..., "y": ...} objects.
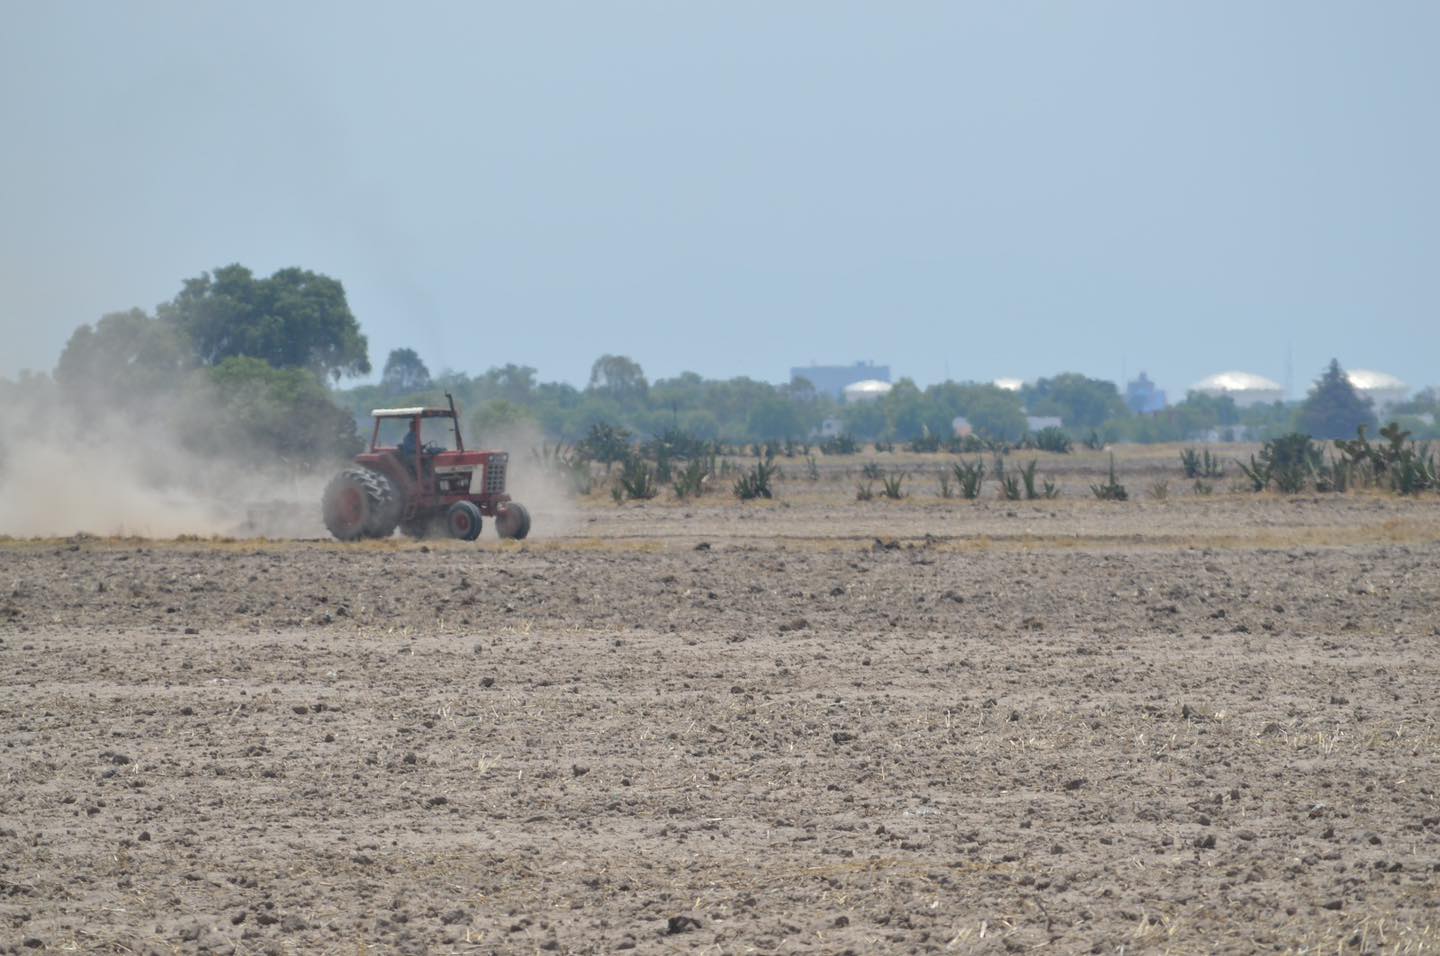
[{"x": 383, "y": 505}]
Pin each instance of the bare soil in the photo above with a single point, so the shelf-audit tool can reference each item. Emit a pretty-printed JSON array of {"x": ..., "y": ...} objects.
[{"x": 1207, "y": 723}]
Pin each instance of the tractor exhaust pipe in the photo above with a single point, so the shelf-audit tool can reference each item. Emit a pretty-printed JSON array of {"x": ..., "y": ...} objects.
[{"x": 455, "y": 421}]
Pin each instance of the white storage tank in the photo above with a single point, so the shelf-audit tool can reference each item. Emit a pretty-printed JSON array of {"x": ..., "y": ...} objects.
[
  {"x": 867, "y": 390},
  {"x": 1383, "y": 390},
  {"x": 1243, "y": 388}
]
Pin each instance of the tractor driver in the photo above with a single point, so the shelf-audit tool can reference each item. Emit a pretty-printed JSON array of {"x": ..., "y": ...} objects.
[
  {"x": 411, "y": 448},
  {"x": 408, "y": 443}
]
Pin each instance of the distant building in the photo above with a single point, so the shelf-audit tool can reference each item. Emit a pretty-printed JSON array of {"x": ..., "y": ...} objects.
[
  {"x": 1008, "y": 384},
  {"x": 1382, "y": 390},
  {"x": 832, "y": 379},
  {"x": 1143, "y": 397},
  {"x": 1037, "y": 423},
  {"x": 1242, "y": 388}
]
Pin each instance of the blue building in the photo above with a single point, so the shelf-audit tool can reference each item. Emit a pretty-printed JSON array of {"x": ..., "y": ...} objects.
[{"x": 1143, "y": 397}]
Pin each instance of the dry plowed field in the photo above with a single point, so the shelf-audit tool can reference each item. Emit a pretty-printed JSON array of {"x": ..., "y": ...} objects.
[{"x": 810, "y": 725}]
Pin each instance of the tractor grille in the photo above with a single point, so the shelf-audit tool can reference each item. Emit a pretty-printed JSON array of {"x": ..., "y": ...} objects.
[
  {"x": 454, "y": 483},
  {"x": 495, "y": 475}
]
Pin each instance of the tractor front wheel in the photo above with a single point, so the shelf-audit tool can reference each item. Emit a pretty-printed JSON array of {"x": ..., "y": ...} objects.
[
  {"x": 359, "y": 503},
  {"x": 512, "y": 520},
  {"x": 463, "y": 521}
]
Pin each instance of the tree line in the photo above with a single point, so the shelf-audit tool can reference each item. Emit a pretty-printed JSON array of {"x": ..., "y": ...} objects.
[
  {"x": 236, "y": 361},
  {"x": 742, "y": 410}
]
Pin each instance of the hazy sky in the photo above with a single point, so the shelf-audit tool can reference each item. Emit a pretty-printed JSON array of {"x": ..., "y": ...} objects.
[{"x": 954, "y": 189}]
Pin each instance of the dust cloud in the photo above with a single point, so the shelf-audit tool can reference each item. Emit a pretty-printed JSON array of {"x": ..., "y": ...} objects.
[
  {"x": 545, "y": 494},
  {"x": 131, "y": 473},
  {"x": 64, "y": 472}
]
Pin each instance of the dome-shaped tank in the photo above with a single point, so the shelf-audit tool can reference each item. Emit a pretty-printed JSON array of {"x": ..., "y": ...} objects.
[
  {"x": 1382, "y": 389},
  {"x": 866, "y": 391},
  {"x": 1244, "y": 388}
]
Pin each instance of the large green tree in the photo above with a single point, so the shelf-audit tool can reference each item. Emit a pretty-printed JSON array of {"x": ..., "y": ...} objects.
[
  {"x": 992, "y": 411},
  {"x": 190, "y": 369},
  {"x": 405, "y": 372},
  {"x": 1333, "y": 409},
  {"x": 263, "y": 411},
  {"x": 511, "y": 382},
  {"x": 865, "y": 418},
  {"x": 1080, "y": 402},
  {"x": 497, "y": 421},
  {"x": 293, "y": 319},
  {"x": 125, "y": 356},
  {"x": 619, "y": 378},
  {"x": 905, "y": 409},
  {"x": 777, "y": 418}
]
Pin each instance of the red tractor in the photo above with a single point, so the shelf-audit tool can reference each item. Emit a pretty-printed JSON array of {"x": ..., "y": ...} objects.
[{"x": 418, "y": 476}]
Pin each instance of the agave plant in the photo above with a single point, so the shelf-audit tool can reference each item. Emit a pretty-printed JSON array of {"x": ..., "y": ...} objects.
[
  {"x": 1112, "y": 490},
  {"x": 756, "y": 482},
  {"x": 892, "y": 484},
  {"x": 947, "y": 484},
  {"x": 690, "y": 480},
  {"x": 969, "y": 477},
  {"x": 1053, "y": 439},
  {"x": 1200, "y": 465},
  {"x": 637, "y": 479}
]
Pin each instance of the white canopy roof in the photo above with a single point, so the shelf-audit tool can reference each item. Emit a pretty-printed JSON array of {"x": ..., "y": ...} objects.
[{"x": 427, "y": 411}]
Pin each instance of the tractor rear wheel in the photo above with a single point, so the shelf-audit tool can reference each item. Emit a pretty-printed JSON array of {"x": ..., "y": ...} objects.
[
  {"x": 360, "y": 503},
  {"x": 512, "y": 520},
  {"x": 462, "y": 520}
]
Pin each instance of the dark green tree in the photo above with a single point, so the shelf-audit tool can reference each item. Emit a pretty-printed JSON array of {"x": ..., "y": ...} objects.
[
  {"x": 264, "y": 411},
  {"x": 513, "y": 383},
  {"x": 905, "y": 409},
  {"x": 1202, "y": 410},
  {"x": 497, "y": 422},
  {"x": 993, "y": 412},
  {"x": 864, "y": 418},
  {"x": 294, "y": 319},
  {"x": 619, "y": 378},
  {"x": 404, "y": 373},
  {"x": 125, "y": 356},
  {"x": 777, "y": 418},
  {"x": 1333, "y": 409},
  {"x": 1081, "y": 402},
  {"x": 1424, "y": 402},
  {"x": 801, "y": 389},
  {"x": 606, "y": 443}
]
